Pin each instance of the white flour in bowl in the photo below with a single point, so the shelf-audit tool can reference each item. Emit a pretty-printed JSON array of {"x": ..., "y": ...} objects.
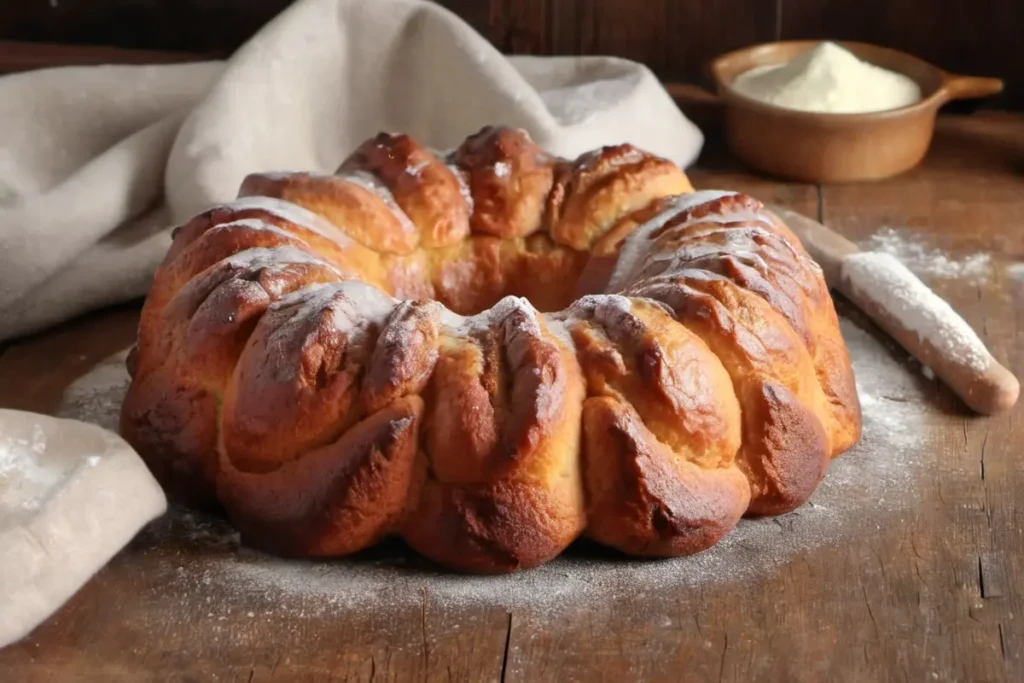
[{"x": 828, "y": 79}]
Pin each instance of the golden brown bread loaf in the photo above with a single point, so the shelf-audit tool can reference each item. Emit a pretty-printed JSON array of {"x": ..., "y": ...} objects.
[{"x": 335, "y": 359}]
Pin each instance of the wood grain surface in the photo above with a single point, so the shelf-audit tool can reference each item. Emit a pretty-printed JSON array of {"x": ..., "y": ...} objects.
[
  {"x": 676, "y": 39},
  {"x": 17, "y": 56},
  {"x": 930, "y": 591}
]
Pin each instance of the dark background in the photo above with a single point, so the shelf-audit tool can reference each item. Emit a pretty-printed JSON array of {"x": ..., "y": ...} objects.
[{"x": 676, "y": 38}]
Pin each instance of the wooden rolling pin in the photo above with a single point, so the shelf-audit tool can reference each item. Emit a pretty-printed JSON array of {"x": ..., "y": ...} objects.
[{"x": 909, "y": 311}]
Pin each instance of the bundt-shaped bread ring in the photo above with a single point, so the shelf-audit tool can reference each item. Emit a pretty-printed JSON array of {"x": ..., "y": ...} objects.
[{"x": 333, "y": 359}]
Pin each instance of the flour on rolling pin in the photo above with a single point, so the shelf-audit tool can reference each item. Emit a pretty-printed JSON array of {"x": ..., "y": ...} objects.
[
  {"x": 883, "y": 279},
  {"x": 889, "y": 293}
]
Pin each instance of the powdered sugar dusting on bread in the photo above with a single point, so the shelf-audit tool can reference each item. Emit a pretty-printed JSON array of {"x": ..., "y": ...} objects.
[
  {"x": 636, "y": 247},
  {"x": 395, "y": 333},
  {"x": 885, "y": 280},
  {"x": 415, "y": 169},
  {"x": 351, "y": 304},
  {"x": 602, "y": 305},
  {"x": 293, "y": 213},
  {"x": 353, "y": 308},
  {"x": 458, "y": 325},
  {"x": 520, "y": 310},
  {"x": 739, "y": 216},
  {"x": 501, "y": 169},
  {"x": 363, "y": 301},
  {"x": 674, "y": 260},
  {"x": 258, "y": 224},
  {"x": 275, "y": 258},
  {"x": 466, "y": 326},
  {"x": 370, "y": 182}
]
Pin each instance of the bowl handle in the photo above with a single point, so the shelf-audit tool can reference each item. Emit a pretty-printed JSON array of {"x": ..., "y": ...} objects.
[{"x": 959, "y": 87}]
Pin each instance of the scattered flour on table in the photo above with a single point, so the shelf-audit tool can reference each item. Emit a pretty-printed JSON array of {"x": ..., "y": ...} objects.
[
  {"x": 869, "y": 486},
  {"x": 928, "y": 262},
  {"x": 96, "y": 397}
]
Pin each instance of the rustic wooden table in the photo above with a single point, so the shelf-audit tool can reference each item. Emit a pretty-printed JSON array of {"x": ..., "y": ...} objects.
[{"x": 919, "y": 582}]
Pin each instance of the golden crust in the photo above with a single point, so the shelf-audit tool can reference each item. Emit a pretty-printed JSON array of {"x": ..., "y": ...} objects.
[
  {"x": 509, "y": 178},
  {"x": 186, "y": 354},
  {"x": 338, "y": 498},
  {"x": 645, "y": 499},
  {"x": 661, "y": 430},
  {"x": 296, "y": 384},
  {"x": 633, "y": 350},
  {"x": 500, "y": 438},
  {"x": 760, "y": 255},
  {"x": 773, "y": 378},
  {"x": 429, "y": 192},
  {"x": 593, "y": 193},
  {"x": 364, "y": 215},
  {"x": 331, "y": 360}
]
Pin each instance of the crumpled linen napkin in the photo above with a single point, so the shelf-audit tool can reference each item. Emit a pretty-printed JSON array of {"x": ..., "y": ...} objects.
[
  {"x": 72, "y": 495},
  {"x": 97, "y": 164}
]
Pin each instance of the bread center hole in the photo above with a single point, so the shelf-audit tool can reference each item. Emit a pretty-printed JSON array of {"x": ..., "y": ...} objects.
[{"x": 473, "y": 276}]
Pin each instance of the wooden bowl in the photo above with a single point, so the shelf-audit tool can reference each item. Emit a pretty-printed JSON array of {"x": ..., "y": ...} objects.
[{"x": 818, "y": 148}]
